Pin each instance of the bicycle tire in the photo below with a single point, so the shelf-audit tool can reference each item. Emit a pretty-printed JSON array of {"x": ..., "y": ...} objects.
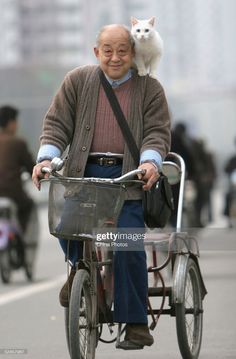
[
  {"x": 5, "y": 267},
  {"x": 82, "y": 332},
  {"x": 29, "y": 272},
  {"x": 29, "y": 261},
  {"x": 189, "y": 314},
  {"x": 66, "y": 322}
]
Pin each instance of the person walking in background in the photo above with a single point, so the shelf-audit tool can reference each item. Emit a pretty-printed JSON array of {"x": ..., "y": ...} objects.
[
  {"x": 204, "y": 178},
  {"x": 230, "y": 168},
  {"x": 81, "y": 116},
  {"x": 15, "y": 158},
  {"x": 200, "y": 170},
  {"x": 181, "y": 143},
  {"x": 230, "y": 165}
]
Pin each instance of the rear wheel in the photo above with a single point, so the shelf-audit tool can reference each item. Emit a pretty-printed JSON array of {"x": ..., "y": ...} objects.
[
  {"x": 189, "y": 314},
  {"x": 16, "y": 252},
  {"x": 5, "y": 266},
  {"x": 29, "y": 272},
  {"x": 82, "y": 331}
]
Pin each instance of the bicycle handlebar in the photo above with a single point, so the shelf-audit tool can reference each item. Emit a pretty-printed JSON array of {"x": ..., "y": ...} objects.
[{"x": 58, "y": 163}]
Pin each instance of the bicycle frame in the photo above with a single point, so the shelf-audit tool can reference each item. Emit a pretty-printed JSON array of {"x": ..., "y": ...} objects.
[{"x": 181, "y": 256}]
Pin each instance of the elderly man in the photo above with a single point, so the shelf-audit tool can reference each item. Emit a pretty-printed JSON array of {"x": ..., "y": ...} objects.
[{"x": 80, "y": 116}]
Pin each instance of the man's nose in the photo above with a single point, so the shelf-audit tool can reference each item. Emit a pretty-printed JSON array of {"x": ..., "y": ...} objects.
[{"x": 115, "y": 56}]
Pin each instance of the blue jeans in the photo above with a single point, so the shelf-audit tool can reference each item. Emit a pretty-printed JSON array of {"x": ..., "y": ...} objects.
[{"x": 130, "y": 269}]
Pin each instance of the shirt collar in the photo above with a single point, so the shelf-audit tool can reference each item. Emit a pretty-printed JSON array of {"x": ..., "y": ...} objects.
[{"x": 116, "y": 83}]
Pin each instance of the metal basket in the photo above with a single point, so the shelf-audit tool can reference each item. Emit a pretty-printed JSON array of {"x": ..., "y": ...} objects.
[{"x": 76, "y": 208}]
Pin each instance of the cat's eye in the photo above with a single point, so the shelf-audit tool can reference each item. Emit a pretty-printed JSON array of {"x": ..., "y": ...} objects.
[
  {"x": 138, "y": 30},
  {"x": 146, "y": 30}
]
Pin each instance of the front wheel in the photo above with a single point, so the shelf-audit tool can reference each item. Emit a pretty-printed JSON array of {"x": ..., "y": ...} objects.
[
  {"x": 189, "y": 314},
  {"x": 82, "y": 329},
  {"x": 29, "y": 261},
  {"x": 66, "y": 320}
]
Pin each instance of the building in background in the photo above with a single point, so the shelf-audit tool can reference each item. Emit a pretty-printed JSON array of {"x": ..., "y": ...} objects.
[
  {"x": 9, "y": 44},
  {"x": 198, "y": 35},
  {"x": 42, "y": 32},
  {"x": 41, "y": 40}
]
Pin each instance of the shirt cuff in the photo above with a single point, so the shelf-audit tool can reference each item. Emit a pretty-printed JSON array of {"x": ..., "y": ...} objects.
[
  {"x": 153, "y": 156},
  {"x": 48, "y": 152}
]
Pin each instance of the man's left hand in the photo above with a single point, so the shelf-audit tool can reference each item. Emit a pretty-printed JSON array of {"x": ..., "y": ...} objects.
[{"x": 151, "y": 175}]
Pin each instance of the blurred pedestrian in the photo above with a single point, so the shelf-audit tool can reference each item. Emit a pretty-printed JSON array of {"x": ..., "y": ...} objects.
[
  {"x": 229, "y": 169},
  {"x": 231, "y": 163},
  {"x": 181, "y": 143},
  {"x": 14, "y": 158},
  {"x": 200, "y": 173},
  {"x": 204, "y": 178}
]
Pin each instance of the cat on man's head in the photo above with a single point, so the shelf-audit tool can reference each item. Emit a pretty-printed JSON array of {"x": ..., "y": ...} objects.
[{"x": 148, "y": 46}]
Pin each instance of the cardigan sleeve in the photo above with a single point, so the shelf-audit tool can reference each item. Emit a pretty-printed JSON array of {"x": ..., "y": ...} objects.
[
  {"x": 58, "y": 124},
  {"x": 156, "y": 119}
]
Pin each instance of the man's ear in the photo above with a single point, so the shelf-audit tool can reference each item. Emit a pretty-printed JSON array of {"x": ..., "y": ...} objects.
[{"x": 96, "y": 51}]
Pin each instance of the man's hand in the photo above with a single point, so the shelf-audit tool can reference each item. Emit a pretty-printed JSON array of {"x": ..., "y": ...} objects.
[
  {"x": 151, "y": 175},
  {"x": 37, "y": 174}
]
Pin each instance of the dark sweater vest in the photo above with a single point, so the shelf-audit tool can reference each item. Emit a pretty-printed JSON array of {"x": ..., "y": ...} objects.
[{"x": 107, "y": 135}]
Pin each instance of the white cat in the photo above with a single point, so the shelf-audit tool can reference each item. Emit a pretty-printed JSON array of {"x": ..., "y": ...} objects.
[{"x": 148, "y": 46}]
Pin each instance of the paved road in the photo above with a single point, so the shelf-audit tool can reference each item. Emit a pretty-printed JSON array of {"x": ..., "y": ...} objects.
[{"x": 31, "y": 318}]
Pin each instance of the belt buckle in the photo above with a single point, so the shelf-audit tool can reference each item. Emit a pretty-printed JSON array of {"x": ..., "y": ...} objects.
[
  {"x": 101, "y": 161},
  {"x": 111, "y": 161}
]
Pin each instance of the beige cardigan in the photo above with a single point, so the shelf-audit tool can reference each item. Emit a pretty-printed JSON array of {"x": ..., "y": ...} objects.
[{"x": 71, "y": 117}]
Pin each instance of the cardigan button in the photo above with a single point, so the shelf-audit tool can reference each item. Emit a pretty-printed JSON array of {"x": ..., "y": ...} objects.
[
  {"x": 87, "y": 127},
  {"x": 84, "y": 148}
]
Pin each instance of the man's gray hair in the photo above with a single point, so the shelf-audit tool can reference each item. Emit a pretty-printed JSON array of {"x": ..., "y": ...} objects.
[{"x": 124, "y": 27}]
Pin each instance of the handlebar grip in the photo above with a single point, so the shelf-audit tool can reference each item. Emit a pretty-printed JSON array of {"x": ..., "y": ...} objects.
[
  {"x": 142, "y": 171},
  {"x": 46, "y": 170}
]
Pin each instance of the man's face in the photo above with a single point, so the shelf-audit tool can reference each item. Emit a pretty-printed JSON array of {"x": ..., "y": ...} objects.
[
  {"x": 114, "y": 52},
  {"x": 11, "y": 127}
]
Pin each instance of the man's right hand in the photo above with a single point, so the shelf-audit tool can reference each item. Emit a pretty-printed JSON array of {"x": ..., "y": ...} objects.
[{"x": 37, "y": 174}]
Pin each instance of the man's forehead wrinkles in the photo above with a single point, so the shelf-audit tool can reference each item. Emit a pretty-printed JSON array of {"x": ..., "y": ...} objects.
[
  {"x": 115, "y": 44},
  {"x": 108, "y": 39}
]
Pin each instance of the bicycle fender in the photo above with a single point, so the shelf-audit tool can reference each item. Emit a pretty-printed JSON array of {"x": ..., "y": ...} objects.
[{"x": 180, "y": 268}]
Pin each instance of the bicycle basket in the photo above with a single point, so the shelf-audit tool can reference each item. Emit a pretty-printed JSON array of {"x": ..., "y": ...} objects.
[{"x": 78, "y": 207}]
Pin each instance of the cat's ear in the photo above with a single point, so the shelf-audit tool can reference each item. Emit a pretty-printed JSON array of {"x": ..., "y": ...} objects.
[
  {"x": 151, "y": 20},
  {"x": 133, "y": 20}
]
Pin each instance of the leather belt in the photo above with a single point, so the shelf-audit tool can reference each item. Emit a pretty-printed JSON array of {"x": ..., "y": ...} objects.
[{"x": 105, "y": 161}]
